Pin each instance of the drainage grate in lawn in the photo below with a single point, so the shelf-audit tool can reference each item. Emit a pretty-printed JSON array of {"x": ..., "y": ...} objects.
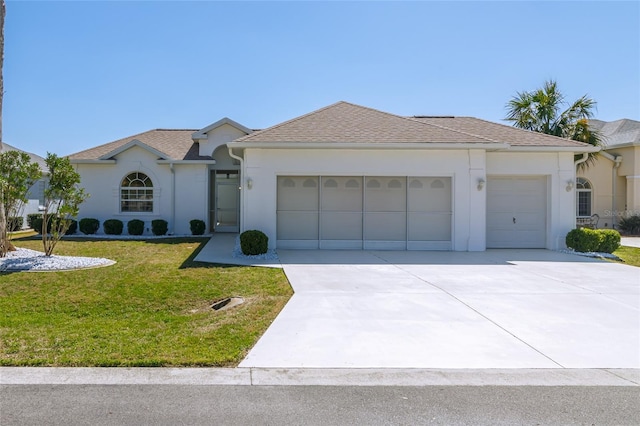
[{"x": 227, "y": 303}]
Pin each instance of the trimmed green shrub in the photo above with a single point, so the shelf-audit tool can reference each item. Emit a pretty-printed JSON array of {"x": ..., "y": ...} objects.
[
  {"x": 630, "y": 225},
  {"x": 135, "y": 227},
  {"x": 159, "y": 226},
  {"x": 583, "y": 240},
  {"x": 254, "y": 242},
  {"x": 609, "y": 240},
  {"x": 197, "y": 226},
  {"x": 36, "y": 224},
  {"x": 89, "y": 225},
  {"x": 30, "y": 218},
  {"x": 113, "y": 227},
  {"x": 15, "y": 223},
  {"x": 73, "y": 227}
]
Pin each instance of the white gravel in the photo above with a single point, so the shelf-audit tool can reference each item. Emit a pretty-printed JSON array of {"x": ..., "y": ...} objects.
[
  {"x": 31, "y": 260},
  {"x": 596, "y": 255}
]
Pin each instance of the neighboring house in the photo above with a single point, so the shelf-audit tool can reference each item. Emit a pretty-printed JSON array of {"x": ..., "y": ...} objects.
[
  {"x": 610, "y": 187},
  {"x": 345, "y": 176},
  {"x": 35, "y": 195}
]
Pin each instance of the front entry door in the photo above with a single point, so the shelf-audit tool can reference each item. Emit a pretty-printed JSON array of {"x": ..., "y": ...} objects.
[{"x": 227, "y": 201}]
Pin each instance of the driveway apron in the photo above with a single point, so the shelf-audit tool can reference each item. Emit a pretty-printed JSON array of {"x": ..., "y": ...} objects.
[{"x": 493, "y": 309}]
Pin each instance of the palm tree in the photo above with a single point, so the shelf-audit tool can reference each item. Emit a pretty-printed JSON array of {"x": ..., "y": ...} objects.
[{"x": 540, "y": 111}]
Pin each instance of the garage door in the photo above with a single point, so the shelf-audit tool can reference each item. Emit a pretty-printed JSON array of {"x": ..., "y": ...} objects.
[
  {"x": 356, "y": 212},
  {"x": 516, "y": 212}
]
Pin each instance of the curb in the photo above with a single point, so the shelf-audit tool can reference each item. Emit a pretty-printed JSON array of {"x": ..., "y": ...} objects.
[{"x": 316, "y": 377}]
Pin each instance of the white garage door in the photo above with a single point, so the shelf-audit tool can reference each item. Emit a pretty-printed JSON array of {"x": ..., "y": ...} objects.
[
  {"x": 516, "y": 212},
  {"x": 373, "y": 212}
]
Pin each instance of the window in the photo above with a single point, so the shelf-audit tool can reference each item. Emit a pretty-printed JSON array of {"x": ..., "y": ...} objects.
[
  {"x": 583, "y": 198},
  {"x": 136, "y": 194}
]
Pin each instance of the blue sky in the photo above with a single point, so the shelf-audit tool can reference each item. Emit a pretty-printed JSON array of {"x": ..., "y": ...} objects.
[{"x": 79, "y": 74}]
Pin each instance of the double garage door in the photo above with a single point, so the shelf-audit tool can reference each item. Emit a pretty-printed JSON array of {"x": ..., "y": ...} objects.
[{"x": 370, "y": 212}]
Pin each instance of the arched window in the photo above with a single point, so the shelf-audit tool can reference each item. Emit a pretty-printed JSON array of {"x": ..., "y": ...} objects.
[
  {"x": 136, "y": 194},
  {"x": 583, "y": 197}
]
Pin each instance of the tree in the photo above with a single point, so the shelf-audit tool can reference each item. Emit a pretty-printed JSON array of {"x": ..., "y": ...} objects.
[
  {"x": 3, "y": 212},
  {"x": 62, "y": 199},
  {"x": 17, "y": 175},
  {"x": 540, "y": 111}
]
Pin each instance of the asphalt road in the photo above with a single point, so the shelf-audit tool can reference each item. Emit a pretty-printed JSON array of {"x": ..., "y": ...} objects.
[{"x": 317, "y": 405}]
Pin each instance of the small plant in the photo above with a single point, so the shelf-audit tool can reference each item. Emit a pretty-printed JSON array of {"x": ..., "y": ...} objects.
[
  {"x": 73, "y": 227},
  {"x": 135, "y": 227},
  {"x": 15, "y": 223},
  {"x": 113, "y": 227},
  {"x": 89, "y": 225},
  {"x": 630, "y": 225},
  {"x": 159, "y": 226},
  {"x": 30, "y": 218},
  {"x": 254, "y": 242},
  {"x": 583, "y": 240},
  {"x": 609, "y": 240},
  {"x": 197, "y": 227}
]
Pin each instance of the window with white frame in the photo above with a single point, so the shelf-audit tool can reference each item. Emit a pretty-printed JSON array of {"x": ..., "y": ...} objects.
[
  {"x": 583, "y": 197},
  {"x": 136, "y": 194}
]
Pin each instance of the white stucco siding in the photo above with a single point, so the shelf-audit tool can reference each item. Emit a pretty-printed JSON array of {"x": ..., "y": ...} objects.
[
  {"x": 219, "y": 136},
  {"x": 102, "y": 182},
  {"x": 263, "y": 166},
  {"x": 559, "y": 170}
]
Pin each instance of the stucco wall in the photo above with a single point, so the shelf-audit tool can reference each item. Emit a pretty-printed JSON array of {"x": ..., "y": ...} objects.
[
  {"x": 465, "y": 167},
  {"x": 102, "y": 182},
  {"x": 219, "y": 136}
]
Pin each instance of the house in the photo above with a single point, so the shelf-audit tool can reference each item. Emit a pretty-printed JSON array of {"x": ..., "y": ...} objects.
[
  {"x": 610, "y": 187},
  {"x": 35, "y": 195},
  {"x": 345, "y": 176}
]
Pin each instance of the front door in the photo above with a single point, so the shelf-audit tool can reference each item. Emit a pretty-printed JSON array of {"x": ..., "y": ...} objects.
[{"x": 227, "y": 201}]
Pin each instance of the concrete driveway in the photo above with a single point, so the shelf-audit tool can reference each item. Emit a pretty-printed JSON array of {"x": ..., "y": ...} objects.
[{"x": 494, "y": 309}]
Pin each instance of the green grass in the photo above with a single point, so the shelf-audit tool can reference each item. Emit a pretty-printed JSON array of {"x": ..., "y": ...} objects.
[
  {"x": 152, "y": 308},
  {"x": 630, "y": 255}
]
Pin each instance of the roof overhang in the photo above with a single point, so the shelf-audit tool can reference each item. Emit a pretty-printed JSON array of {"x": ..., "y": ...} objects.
[
  {"x": 186, "y": 162},
  {"x": 128, "y": 145},
  {"x": 575, "y": 149},
  {"x": 91, "y": 161},
  {"x": 348, "y": 145}
]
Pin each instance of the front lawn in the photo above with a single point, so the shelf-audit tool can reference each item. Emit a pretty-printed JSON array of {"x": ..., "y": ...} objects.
[
  {"x": 630, "y": 255},
  {"x": 152, "y": 308}
]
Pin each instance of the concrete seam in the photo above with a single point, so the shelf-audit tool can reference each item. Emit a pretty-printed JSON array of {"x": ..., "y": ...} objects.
[{"x": 620, "y": 377}]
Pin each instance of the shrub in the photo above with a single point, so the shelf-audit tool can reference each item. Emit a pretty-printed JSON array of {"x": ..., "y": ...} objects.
[
  {"x": 630, "y": 225},
  {"x": 135, "y": 227},
  {"x": 30, "y": 218},
  {"x": 197, "y": 227},
  {"x": 583, "y": 239},
  {"x": 36, "y": 224},
  {"x": 73, "y": 227},
  {"x": 89, "y": 226},
  {"x": 609, "y": 240},
  {"x": 15, "y": 223},
  {"x": 113, "y": 227},
  {"x": 254, "y": 242},
  {"x": 159, "y": 227}
]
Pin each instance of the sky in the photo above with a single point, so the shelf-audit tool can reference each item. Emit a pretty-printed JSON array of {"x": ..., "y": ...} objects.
[{"x": 82, "y": 73}]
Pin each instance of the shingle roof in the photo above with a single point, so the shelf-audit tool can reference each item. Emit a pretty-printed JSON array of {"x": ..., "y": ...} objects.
[
  {"x": 344, "y": 122},
  {"x": 175, "y": 144},
  {"x": 618, "y": 132},
  {"x": 499, "y": 132},
  {"x": 34, "y": 157}
]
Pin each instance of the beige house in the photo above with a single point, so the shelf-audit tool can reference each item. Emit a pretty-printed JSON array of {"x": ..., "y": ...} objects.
[{"x": 610, "y": 188}]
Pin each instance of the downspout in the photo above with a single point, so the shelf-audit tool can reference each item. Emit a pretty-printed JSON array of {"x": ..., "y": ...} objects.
[
  {"x": 173, "y": 199},
  {"x": 616, "y": 164},
  {"x": 585, "y": 157},
  {"x": 242, "y": 177}
]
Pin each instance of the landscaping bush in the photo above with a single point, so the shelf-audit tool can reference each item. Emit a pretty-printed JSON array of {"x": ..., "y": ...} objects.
[
  {"x": 254, "y": 242},
  {"x": 15, "y": 223},
  {"x": 89, "y": 226},
  {"x": 73, "y": 227},
  {"x": 583, "y": 240},
  {"x": 113, "y": 227},
  {"x": 609, "y": 240},
  {"x": 135, "y": 227},
  {"x": 630, "y": 225},
  {"x": 159, "y": 227},
  {"x": 30, "y": 218},
  {"x": 197, "y": 227}
]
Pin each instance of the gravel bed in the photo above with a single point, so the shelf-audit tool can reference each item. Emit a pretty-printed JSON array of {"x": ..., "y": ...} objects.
[
  {"x": 592, "y": 254},
  {"x": 32, "y": 260}
]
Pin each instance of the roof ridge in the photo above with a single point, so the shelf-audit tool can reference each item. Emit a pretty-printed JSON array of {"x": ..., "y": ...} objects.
[{"x": 453, "y": 130}]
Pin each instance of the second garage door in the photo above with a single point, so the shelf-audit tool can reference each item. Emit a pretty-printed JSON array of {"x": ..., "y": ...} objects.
[
  {"x": 516, "y": 212},
  {"x": 373, "y": 212}
]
